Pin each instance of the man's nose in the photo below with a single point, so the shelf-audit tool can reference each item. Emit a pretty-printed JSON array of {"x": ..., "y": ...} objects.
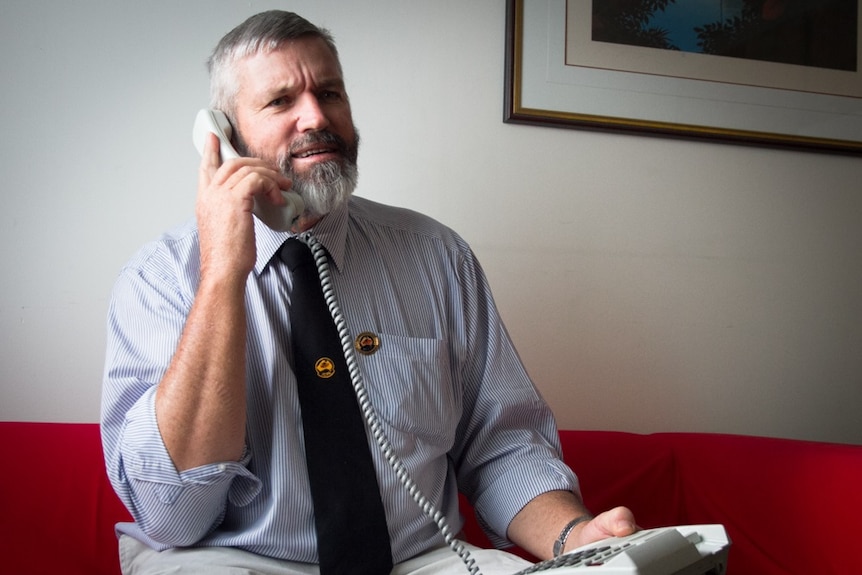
[{"x": 310, "y": 115}]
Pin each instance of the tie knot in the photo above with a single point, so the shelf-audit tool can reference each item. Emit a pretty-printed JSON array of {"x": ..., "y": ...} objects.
[{"x": 295, "y": 254}]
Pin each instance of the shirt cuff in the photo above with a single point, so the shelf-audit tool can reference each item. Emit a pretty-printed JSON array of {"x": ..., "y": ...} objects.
[
  {"x": 146, "y": 459},
  {"x": 528, "y": 481}
]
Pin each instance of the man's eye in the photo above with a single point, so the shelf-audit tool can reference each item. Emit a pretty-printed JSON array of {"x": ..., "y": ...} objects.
[
  {"x": 330, "y": 96},
  {"x": 278, "y": 102}
]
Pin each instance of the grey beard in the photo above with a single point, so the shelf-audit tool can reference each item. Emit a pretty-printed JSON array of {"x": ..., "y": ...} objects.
[{"x": 327, "y": 186}]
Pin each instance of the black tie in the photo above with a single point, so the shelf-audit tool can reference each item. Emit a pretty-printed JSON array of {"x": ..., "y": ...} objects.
[{"x": 352, "y": 537}]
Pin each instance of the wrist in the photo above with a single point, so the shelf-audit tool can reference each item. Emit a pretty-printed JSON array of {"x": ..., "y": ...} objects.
[
  {"x": 222, "y": 283},
  {"x": 560, "y": 543}
]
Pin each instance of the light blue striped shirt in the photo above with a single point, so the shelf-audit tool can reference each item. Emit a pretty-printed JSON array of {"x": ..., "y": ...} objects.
[{"x": 446, "y": 382}]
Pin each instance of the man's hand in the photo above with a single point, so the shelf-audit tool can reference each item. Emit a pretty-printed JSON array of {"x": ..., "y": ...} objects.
[
  {"x": 618, "y": 522},
  {"x": 225, "y": 200},
  {"x": 538, "y": 525}
]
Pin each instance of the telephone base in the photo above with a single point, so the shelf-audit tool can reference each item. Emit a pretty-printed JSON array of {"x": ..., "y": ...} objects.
[{"x": 681, "y": 550}]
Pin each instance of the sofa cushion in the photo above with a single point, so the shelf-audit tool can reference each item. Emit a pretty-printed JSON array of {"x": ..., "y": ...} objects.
[
  {"x": 57, "y": 503},
  {"x": 789, "y": 506},
  {"x": 617, "y": 468}
]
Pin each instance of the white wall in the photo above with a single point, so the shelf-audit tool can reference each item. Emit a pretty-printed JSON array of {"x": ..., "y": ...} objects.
[{"x": 650, "y": 284}]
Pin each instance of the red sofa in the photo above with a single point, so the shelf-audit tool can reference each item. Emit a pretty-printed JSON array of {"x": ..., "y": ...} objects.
[{"x": 788, "y": 506}]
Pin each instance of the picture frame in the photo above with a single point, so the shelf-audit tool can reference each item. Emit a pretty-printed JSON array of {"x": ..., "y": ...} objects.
[{"x": 545, "y": 85}]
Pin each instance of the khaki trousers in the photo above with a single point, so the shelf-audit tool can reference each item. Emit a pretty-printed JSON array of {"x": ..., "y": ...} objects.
[{"x": 138, "y": 559}]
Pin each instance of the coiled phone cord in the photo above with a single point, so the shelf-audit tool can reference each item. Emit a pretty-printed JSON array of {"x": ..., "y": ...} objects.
[{"x": 321, "y": 260}]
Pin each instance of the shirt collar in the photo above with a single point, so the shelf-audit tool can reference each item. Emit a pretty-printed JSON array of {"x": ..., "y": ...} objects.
[{"x": 331, "y": 231}]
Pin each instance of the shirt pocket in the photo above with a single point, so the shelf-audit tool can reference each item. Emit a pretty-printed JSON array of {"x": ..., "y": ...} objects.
[{"x": 409, "y": 382}]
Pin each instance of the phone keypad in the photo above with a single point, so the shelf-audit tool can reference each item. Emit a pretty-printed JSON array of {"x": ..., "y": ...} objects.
[{"x": 592, "y": 557}]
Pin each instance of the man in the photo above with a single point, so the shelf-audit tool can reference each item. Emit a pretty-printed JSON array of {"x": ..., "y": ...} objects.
[{"x": 201, "y": 424}]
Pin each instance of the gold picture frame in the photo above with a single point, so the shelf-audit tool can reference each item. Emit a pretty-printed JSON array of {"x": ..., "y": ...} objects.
[{"x": 628, "y": 91}]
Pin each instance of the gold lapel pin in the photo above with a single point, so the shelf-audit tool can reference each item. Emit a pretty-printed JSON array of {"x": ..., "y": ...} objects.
[
  {"x": 324, "y": 367},
  {"x": 367, "y": 343}
]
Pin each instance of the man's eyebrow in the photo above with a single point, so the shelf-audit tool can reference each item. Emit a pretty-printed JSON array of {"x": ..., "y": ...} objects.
[
  {"x": 334, "y": 82},
  {"x": 283, "y": 88}
]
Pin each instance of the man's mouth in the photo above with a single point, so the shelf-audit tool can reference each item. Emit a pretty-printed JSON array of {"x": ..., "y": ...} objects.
[
  {"x": 317, "y": 144},
  {"x": 316, "y": 151}
]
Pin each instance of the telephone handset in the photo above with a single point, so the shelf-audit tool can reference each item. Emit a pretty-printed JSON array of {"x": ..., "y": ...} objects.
[{"x": 279, "y": 218}]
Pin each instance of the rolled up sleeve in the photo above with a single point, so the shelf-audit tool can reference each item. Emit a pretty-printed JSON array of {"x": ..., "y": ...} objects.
[
  {"x": 174, "y": 508},
  {"x": 507, "y": 450},
  {"x": 145, "y": 319}
]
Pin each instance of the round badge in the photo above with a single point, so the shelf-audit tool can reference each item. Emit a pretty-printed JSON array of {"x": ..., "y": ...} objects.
[
  {"x": 324, "y": 367},
  {"x": 367, "y": 343}
]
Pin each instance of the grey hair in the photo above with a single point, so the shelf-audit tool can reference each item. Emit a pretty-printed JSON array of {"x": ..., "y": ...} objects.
[{"x": 266, "y": 31}]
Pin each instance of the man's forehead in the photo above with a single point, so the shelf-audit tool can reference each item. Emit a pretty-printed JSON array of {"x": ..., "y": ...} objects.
[{"x": 303, "y": 56}]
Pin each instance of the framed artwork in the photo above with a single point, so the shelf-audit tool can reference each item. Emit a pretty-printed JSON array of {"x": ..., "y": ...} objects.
[{"x": 769, "y": 72}]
